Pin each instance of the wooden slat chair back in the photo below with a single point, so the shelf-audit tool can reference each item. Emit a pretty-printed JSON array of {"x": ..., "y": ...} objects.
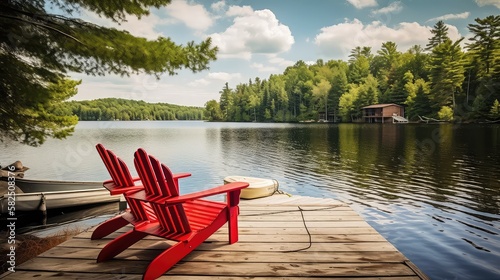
[
  {"x": 159, "y": 183},
  {"x": 118, "y": 170},
  {"x": 188, "y": 218},
  {"x": 121, "y": 182}
]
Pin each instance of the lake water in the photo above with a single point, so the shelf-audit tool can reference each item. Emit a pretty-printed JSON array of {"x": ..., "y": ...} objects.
[{"x": 432, "y": 190}]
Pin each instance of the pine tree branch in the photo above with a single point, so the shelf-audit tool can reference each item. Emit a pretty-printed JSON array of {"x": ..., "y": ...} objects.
[{"x": 42, "y": 25}]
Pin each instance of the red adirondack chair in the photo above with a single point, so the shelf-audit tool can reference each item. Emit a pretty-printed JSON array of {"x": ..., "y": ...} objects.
[
  {"x": 187, "y": 219},
  {"x": 122, "y": 183}
]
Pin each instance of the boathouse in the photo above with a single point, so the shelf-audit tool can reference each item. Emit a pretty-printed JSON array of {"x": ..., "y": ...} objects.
[{"x": 382, "y": 113}]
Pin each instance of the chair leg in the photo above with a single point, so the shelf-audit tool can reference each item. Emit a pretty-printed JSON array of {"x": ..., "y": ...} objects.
[
  {"x": 168, "y": 258},
  {"x": 233, "y": 224},
  {"x": 120, "y": 244},
  {"x": 109, "y": 227}
]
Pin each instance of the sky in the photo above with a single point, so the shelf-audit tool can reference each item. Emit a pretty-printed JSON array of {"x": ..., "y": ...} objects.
[{"x": 262, "y": 37}]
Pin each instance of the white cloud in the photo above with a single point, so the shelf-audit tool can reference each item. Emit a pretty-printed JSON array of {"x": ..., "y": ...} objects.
[
  {"x": 252, "y": 32},
  {"x": 215, "y": 76},
  {"x": 463, "y": 15},
  {"x": 234, "y": 11},
  {"x": 200, "y": 82},
  {"x": 360, "y": 4},
  {"x": 394, "y": 7},
  {"x": 338, "y": 40},
  {"x": 482, "y": 3},
  {"x": 218, "y": 6},
  {"x": 223, "y": 76},
  {"x": 264, "y": 68},
  {"x": 145, "y": 27},
  {"x": 185, "y": 12},
  {"x": 280, "y": 61}
]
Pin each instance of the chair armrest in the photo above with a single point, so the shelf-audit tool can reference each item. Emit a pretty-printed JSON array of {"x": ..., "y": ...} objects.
[
  {"x": 181, "y": 175},
  {"x": 135, "y": 179},
  {"x": 141, "y": 195},
  {"x": 114, "y": 190},
  {"x": 210, "y": 192},
  {"x": 178, "y": 176}
]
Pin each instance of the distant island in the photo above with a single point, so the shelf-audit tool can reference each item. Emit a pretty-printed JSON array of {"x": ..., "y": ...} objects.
[{"x": 107, "y": 109}]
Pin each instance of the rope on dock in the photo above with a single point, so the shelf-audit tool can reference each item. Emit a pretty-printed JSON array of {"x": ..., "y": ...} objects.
[
  {"x": 301, "y": 210},
  {"x": 277, "y": 190},
  {"x": 308, "y": 234}
]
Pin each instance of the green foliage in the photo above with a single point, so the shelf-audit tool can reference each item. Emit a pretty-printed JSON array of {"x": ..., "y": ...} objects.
[
  {"x": 446, "y": 113},
  {"x": 213, "y": 111},
  {"x": 38, "y": 49},
  {"x": 440, "y": 35},
  {"x": 108, "y": 109},
  {"x": 495, "y": 110},
  {"x": 426, "y": 82},
  {"x": 484, "y": 52},
  {"x": 29, "y": 95},
  {"x": 347, "y": 104},
  {"x": 367, "y": 95},
  {"x": 418, "y": 101},
  {"x": 447, "y": 73},
  {"x": 485, "y": 44},
  {"x": 359, "y": 69},
  {"x": 479, "y": 107},
  {"x": 320, "y": 95}
]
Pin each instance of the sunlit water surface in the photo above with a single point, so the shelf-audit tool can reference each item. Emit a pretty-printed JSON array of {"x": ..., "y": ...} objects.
[{"x": 431, "y": 190}]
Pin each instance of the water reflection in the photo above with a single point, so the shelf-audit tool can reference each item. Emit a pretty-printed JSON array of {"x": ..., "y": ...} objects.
[{"x": 431, "y": 190}]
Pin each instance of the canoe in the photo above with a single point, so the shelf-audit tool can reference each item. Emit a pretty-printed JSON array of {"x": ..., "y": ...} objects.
[
  {"x": 258, "y": 187},
  {"x": 33, "y": 195}
]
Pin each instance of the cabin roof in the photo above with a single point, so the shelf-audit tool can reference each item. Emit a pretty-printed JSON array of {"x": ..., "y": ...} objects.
[{"x": 381, "y": 106}]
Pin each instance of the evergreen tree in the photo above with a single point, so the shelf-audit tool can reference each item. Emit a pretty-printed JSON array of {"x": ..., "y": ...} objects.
[
  {"x": 347, "y": 104},
  {"x": 226, "y": 100},
  {"x": 359, "y": 70},
  {"x": 213, "y": 111},
  {"x": 320, "y": 95},
  {"x": 447, "y": 73},
  {"x": 495, "y": 110},
  {"x": 339, "y": 87},
  {"x": 418, "y": 101},
  {"x": 485, "y": 44},
  {"x": 440, "y": 32},
  {"x": 484, "y": 50},
  {"x": 387, "y": 74},
  {"x": 367, "y": 95},
  {"x": 38, "y": 48}
]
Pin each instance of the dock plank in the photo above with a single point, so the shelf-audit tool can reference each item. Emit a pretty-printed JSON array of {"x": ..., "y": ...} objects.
[
  {"x": 74, "y": 276},
  {"x": 299, "y": 238},
  {"x": 258, "y": 269},
  {"x": 229, "y": 256}
]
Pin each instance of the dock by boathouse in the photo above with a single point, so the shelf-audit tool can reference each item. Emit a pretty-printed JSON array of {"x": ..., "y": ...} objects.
[{"x": 384, "y": 113}]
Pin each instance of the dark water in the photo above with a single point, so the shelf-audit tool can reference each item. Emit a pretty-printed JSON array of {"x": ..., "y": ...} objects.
[{"x": 432, "y": 190}]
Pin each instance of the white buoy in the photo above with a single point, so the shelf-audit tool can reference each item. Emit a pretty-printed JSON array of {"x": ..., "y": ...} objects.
[{"x": 258, "y": 187}]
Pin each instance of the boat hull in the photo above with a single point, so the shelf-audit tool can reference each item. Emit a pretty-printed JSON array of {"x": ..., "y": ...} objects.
[
  {"x": 36, "y": 186},
  {"x": 258, "y": 187},
  {"x": 43, "y": 195}
]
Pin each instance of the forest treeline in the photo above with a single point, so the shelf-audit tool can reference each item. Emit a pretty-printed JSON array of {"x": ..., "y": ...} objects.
[
  {"x": 446, "y": 79},
  {"x": 125, "y": 110}
]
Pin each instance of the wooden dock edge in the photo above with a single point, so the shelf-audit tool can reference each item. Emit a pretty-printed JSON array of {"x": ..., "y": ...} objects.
[{"x": 347, "y": 248}]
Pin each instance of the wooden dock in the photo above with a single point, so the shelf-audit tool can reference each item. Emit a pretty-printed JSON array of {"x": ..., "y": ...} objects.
[{"x": 281, "y": 237}]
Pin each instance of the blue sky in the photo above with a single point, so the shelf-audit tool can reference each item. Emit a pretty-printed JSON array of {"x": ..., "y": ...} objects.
[{"x": 258, "y": 38}]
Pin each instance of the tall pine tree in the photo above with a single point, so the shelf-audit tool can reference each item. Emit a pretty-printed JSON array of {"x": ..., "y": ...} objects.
[
  {"x": 38, "y": 49},
  {"x": 440, "y": 32}
]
